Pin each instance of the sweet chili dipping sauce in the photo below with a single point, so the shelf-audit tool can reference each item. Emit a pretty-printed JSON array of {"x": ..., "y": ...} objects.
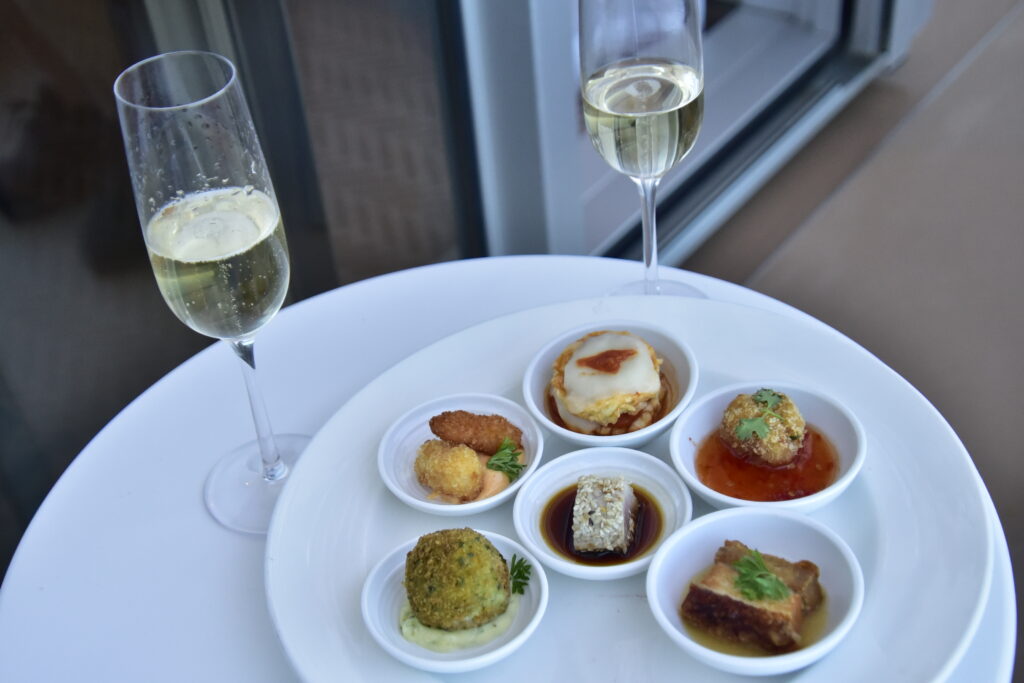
[
  {"x": 815, "y": 467},
  {"x": 556, "y": 528}
]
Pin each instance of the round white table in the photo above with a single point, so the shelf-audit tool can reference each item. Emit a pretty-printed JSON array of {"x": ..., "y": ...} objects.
[{"x": 124, "y": 576}]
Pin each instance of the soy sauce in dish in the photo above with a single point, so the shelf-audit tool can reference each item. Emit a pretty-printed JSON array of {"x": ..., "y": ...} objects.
[{"x": 556, "y": 527}]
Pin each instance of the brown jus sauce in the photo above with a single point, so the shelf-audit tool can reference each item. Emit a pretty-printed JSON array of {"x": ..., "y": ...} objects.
[
  {"x": 556, "y": 527},
  {"x": 815, "y": 467},
  {"x": 811, "y": 631}
]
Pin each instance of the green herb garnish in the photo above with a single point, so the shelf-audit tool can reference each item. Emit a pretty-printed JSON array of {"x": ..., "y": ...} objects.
[
  {"x": 519, "y": 573},
  {"x": 767, "y": 398},
  {"x": 756, "y": 581},
  {"x": 506, "y": 460},
  {"x": 756, "y": 425},
  {"x": 749, "y": 426}
]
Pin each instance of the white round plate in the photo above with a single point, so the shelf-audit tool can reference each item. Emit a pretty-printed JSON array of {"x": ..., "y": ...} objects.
[
  {"x": 915, "y": 517},
  {"x": 384, "y": 595},
  {"x": 398, "y": 448},
  {"x": 638, "y": 468}
]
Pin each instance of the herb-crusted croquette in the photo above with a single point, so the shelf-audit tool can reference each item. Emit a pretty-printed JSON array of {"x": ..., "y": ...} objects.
[
  {"x": 450, "y": 470},
  {"x": 456, "y": 579},
  {"x": 764, "y": 426},
  {"x": 483, "y": 433}
]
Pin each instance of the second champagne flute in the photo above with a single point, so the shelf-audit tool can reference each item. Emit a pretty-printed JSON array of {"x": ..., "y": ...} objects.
[{"x": 642, "y": 81}]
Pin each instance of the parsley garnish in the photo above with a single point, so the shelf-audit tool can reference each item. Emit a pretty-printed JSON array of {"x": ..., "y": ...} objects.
[
  {"x": 756, "y": 581},
  {"x": 756, "y": 425},
  {"x": 752, "y": 425},
  {"x": 767, "y": 398},
  {"x": 506, "y": 460},
  {"x": 519, "y": 572}
]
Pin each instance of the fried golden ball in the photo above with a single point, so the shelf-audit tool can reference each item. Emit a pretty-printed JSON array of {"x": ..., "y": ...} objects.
[
  {"x": 456, "y": 579},
  {"x": 451, "y": 470},
  {"x": 784, "y": 433}
]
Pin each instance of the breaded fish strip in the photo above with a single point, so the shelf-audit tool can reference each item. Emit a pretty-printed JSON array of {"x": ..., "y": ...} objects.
[{"x": 482, "y": 433}]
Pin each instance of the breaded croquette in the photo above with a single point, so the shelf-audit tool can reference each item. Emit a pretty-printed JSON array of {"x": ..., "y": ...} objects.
[
  {"x": 450, "y": 470},
  {"x": 456, "y": 579},
  {"x": 483, "y": 433}
]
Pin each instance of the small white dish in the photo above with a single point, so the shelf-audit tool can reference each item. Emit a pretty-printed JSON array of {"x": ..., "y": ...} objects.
[
  {"x": 638, "y": 468},
  {"x": 400, "y": 444},
  {"x": 384, "y": 595},
  {"x": 829, "y": 417},
  {"x": 679, "y": 360},
  {"x": 774, "y": 532}
]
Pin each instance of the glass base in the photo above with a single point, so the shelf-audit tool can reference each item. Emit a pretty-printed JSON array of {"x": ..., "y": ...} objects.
[
  {"x": 236, "y": 493},
  {"x": 660, "y": 287}
]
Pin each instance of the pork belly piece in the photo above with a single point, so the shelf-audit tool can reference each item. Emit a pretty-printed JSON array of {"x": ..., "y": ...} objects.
[
  {"x": 801, "y": 577},
  {"x": 714, "y": 604},
  {"x": 604, "y": 514}
]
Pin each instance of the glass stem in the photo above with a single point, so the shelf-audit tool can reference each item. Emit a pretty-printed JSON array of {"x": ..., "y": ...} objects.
[
  {"x": 273, "y": 467},
  {"x": 648, "y": 187}
]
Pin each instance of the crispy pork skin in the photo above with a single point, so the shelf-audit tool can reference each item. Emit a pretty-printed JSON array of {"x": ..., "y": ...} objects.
[{"x": 801, "y": 577}]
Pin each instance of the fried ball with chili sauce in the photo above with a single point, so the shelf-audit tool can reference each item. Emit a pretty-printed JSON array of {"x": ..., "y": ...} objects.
[
  {"x": 456, "y": 579},
  {"x": 777, "y": 442}
]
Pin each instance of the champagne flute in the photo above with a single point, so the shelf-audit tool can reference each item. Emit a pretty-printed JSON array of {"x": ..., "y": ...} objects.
[
  {"x": 642, "y": 83},
  {"x": 216, "y": 243}
]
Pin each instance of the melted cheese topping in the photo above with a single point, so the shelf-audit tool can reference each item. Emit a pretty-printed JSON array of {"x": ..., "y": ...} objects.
[{"x": 586, "y": 391}]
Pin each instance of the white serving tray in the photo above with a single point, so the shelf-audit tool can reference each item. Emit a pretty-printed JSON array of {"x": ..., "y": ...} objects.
[{"x": 916, "y": 517}]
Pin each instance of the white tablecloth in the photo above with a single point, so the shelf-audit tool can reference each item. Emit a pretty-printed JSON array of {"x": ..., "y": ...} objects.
[{"x": 123, "y": 576}]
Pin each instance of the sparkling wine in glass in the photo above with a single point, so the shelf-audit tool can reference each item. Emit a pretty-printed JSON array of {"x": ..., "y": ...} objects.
[
  {"x": 642, "y": 83},
  {"x": 216, "y": 242}
]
